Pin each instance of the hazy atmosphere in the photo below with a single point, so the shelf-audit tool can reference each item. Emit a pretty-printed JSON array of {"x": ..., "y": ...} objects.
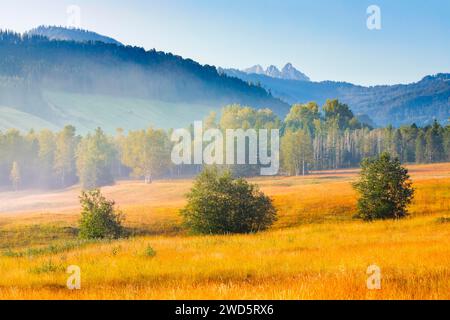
[
  {"x": 214, "y": 151},
  {"x": 326, "y": 39}
]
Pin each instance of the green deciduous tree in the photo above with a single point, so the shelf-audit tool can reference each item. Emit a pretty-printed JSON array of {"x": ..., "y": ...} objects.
[
  {"x": 302, "y": 116},
  {"x": 95, "y": 159},
  {"x": 239, "y": 117},
  {"x": 296, "y": 152},
  {"x": 65, "y": 157},
  {"x": 384, "y": 187},
  {"x": 147, "y": 153},
  {"x": 219, "y": 204},
  {"x": 333, "y": 109},
  {"x": 99, "y": 218}
]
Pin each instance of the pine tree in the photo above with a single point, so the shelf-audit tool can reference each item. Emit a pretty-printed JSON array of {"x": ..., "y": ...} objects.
[
  {"x": 420, "y": 148},
  {"x": 447, "y": 142},
  {"x": 409, "y": 135},
  {"x": 397, "y": 145},
  {"x": 384, "y": 187},
  {"x": 434, "y": 143}
]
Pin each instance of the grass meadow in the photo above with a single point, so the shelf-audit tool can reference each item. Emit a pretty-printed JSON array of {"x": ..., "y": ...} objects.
[{"x": 316, "y": 249}]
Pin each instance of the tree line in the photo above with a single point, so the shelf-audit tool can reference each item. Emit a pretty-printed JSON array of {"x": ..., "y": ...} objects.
[
  {"x": 336, "y": 139},
  {"x": 312, "y": 138}
]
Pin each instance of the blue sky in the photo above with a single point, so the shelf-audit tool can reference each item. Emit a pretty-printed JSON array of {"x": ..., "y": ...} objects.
[{"x": 326, "y": 39}]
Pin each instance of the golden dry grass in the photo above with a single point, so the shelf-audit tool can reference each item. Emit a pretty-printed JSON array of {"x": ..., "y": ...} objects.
[{"x": 315, "y": 251}]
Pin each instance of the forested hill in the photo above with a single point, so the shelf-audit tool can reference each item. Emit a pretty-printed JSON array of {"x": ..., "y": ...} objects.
[
  {"x": 30, "y": 66},
  {"x": 419, "y": 102},
  {"x": 70, "y": 34}
]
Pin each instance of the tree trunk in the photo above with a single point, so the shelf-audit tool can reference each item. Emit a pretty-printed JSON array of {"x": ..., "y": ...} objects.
[{"x": 148, "y": 178}]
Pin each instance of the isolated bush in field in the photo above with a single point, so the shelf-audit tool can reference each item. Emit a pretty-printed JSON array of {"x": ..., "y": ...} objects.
[
  {"x": 99, "y": 218},
  {"x": 150, "y": 252},
  {"x": 385, "y": 189},
  {"x": 443, "y": 220},
  {"x": 220, "y": 204}
]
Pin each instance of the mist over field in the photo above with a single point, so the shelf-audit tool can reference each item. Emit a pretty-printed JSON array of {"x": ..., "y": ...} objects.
[{"x": 137, "y": 168}]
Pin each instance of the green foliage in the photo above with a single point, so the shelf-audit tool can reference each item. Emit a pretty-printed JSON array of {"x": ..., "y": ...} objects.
[
  {"x": 397, "y": 104},
  {"x": 147, "y": 153},
  {"x": 70, "y": 34},
  {"x": 240, "y": 117},
  {"x": 64, "y": 164},
  {"x": 447, "y": 143},
  {"x": 334, "y": 110},
  {"x": 48, "y": 267},
  {"x": 297, "y": 152},
  {"x": 48, "y": 250},
  {"x": 309, "y": 141},
  {"x": 385, "y": 189},
  {"x": 435, "y": 143},
  {"x": 220, "y": 204},
  {"x": 420, "y": 147},
  {"x": 150, "y": 252},
  {"x": 302, "y": 116},
  {"x": 408, "y": 143},
  {"x": 443, "y": 220},
  {"x": 105, "y": 69},
  {"x": 99, "y": 218},
  {"x": 95, "y": 157}
]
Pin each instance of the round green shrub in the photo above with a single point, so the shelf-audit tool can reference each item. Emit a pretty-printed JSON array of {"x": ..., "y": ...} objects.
[{"x": 220, "y": 204}]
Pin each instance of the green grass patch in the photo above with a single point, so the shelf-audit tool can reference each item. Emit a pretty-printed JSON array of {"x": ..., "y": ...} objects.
[
  {"x": 443, "y": 220},
  {"x": 24, "y": 236},
  {"x": 50, "y": 249},
  {"x": 48, "y": 267}
]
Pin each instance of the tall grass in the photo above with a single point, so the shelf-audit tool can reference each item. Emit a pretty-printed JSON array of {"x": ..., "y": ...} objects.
[{"x": 315, "y": 251}]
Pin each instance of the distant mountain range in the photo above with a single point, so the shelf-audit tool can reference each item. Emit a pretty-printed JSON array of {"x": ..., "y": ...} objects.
[
  {"x": 91, "y": 84},
  {"x": 419, "y": 102},
  {"x": 289, "y": 72},
  {"x": 68, "y": 34},
  {"x": 52, "y": 76}
]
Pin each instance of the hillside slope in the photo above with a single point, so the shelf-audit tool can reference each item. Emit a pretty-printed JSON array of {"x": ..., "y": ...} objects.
[
  {"x": 69, "y": 34},
  {"x": 86, "y": 112},
  {"x": 172, "y": 87},
  {"x": 420, "y": 102}
]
